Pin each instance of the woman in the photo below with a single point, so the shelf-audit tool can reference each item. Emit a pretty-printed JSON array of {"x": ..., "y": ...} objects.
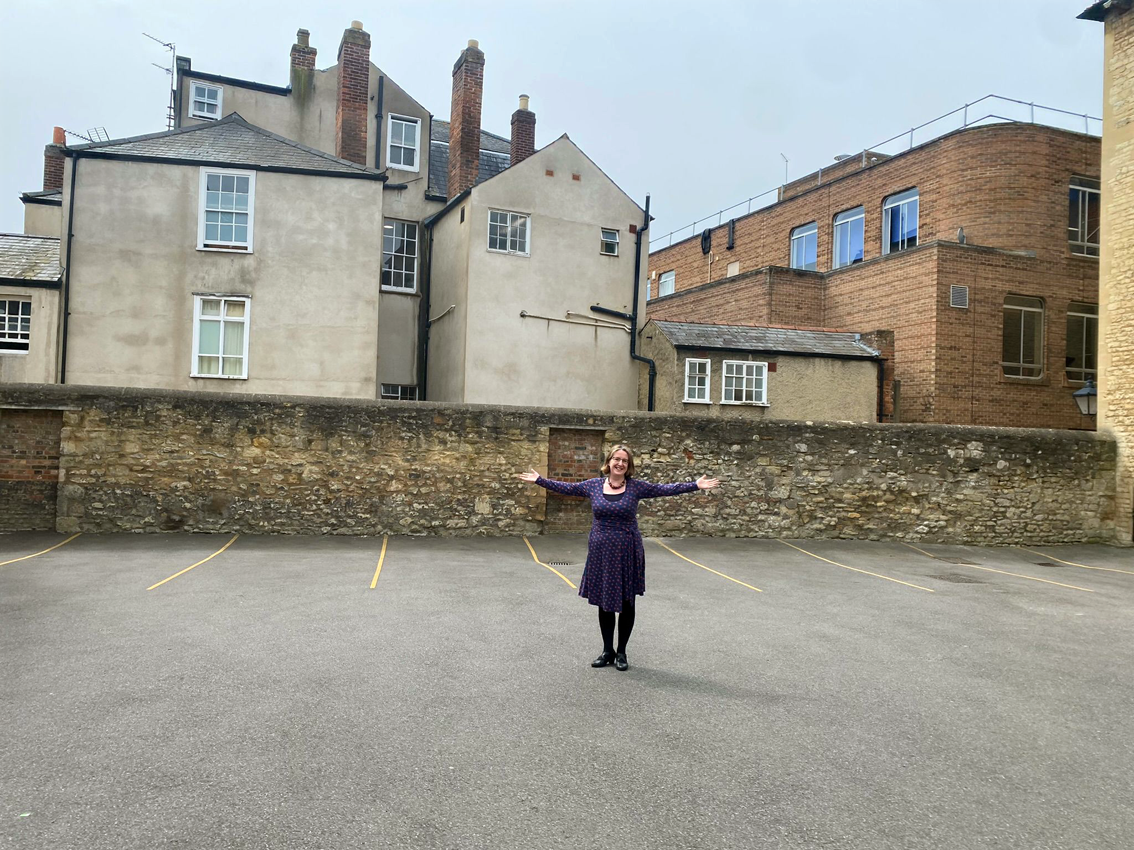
[{"x": 616, "y": 562}]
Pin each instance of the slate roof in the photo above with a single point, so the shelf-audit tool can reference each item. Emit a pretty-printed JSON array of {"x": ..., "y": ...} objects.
[
  {"x": 1099, "y": 10},
  {"x": 495, "y": 156},
  {"x": 49, "y": 196},
  {"x": 32, "y": 258},
  {"x": 230, "y": 141},
  {"x": 784, "y": 340}
]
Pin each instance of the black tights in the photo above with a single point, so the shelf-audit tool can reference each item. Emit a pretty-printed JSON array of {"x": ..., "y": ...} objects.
[{"x": 625, "y": 626}]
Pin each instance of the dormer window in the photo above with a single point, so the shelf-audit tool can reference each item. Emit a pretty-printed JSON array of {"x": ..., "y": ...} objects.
[{"x": 205, "y": 101}]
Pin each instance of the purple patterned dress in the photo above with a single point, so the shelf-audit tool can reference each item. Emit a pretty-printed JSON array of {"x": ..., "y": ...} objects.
[{"x": 616, "y": 560}]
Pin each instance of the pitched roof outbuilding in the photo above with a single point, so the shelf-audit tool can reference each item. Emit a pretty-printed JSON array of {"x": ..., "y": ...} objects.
[
  {"x": 784, "y": 340},
  {"x": 29, "y": 258},
  {"x": 229, "y": 141}
]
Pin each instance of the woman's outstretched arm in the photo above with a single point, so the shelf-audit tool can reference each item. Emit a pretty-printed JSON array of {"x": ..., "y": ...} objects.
[
  {"x": 563, "y": 488},
  {"x": 646, "y": 490}
]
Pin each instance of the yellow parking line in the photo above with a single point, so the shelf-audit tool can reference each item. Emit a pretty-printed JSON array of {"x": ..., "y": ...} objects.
[
  {"x": 44, "y": 552},
  {"x": 1073, "y": 564},
  {"x": 542, "y": 564},
  {"x": 857, "y": 570},
  {"x": 381, "y": 558},
  {"x": 702, "y": 566},
  {"x": 175, "y": 575},
  {"x": 991, "y": 570}
]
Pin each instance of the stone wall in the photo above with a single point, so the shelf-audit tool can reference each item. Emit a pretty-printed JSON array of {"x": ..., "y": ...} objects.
[{"x": 134, "y": 460}]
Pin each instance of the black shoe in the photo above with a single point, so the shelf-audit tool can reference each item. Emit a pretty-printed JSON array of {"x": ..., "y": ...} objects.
[
  {"x": 620, "y": 662},
  {"x": 603, "y": 659}
]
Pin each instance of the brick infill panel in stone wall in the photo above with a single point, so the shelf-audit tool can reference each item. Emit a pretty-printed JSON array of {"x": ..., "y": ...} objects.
[
  {"x": 29, "y": 468},
  {"x": 150, "y": 460}
]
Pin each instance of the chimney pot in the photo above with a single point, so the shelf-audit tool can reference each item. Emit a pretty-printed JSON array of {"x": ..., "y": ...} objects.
[
  {"x": 303, "y": 38},
  {"x": 59, "y": 136},
  {"x": 356, "y": 25},
  {"x": 523, "y": 101},
  {"x": 474, "y": 43}
]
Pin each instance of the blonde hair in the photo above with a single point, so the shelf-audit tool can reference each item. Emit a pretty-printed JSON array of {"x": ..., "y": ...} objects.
[{"x": 629, "y": 460}]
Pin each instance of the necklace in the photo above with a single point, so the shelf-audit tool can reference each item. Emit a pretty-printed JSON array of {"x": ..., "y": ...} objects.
[{"x": 614, "y": 486}]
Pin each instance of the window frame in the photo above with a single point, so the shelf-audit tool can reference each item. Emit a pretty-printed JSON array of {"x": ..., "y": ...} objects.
[
  {"x": 708, "y": 376},
  {"x": 851, "y": 216},
  {"x": 399, "y": 392},
  {"x": 416, "y": 243},
  {"x": 900, "y": 200},
  {"x": 1041, "y": 347},
  {"x": 508, "y": 239},
  {"x": 672, "y": 279},
  {"x": 8, "y": 337},
  {"x": 801, "y": 233},
  {"x": 762, "y": 400},
  {"x": 226, "y": 247},
  {"x": 404, "y": 119},
  {"x": 1090, "y": 374},
  {"x": 246, "y": 319},
  {"x": 604, "y": 241},
  {"x": 204, "y": 116},
  {"x": 1081, "y": 247}
]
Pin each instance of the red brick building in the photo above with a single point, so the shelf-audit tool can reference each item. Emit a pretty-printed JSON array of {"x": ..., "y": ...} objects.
[{"x": 978, "y": 249}]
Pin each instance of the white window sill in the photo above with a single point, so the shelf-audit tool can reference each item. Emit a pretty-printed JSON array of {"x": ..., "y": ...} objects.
[
  {"x": 10, "y": 353},
  {"x": 398, "y": 290},
  {"x": 604, "y": 254},
  {"x": 747, "y": 403},
  {"x": 203, "y": 117},
  {"x": 405, "y": 168},
  {"x": 235, "y": 249},
  {"x": 220, "y": 377},
  {"x": 696, "y": 401},
  {"x": 509, "y": 253}
]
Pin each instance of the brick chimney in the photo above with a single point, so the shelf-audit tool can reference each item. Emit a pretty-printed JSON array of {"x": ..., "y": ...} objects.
[
  {"x": 464, "y": 120},
  {"x": 351, "y": 109},
  {"x": 523, "y": 132},
  {"x": 53, "y": 160},
  {"x": 302, "y": 65}
]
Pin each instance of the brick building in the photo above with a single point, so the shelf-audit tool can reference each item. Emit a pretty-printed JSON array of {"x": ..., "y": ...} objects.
[{"x": 978, "y": 249}]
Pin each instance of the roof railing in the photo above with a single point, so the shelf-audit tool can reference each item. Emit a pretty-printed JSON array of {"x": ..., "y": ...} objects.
[{"x": 1082, "y": 123}]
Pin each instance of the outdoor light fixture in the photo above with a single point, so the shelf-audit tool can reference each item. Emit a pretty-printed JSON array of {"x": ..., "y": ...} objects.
[{"x": 1087, "y": 399}]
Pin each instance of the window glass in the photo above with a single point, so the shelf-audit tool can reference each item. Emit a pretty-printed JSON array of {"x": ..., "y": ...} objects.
[
  {"x": 696, "y": 380},
  {"x": 609, "y": 243},
  {"x": 665, "y": 283},
  {"x": 15, "y": 324},
  {"x": 1084, "y": 216},
  {"x": 848, "y": 247},
  {"x": 204, "y": 101},
  {"x": 899, "y": 222},
  {"x": 220, "y": 338},
  {"x": 1082, "y": 342},
  {"x": 227, "y": 211},
  {"x": 399, "y": 255},
  {"x": 744, "y": 382},
  {"x": 507, "y": 232},
  {"x": 402, "y": 152},
  {"x": 1022, "y": 355},
  {"x": 804, "y": 243}
]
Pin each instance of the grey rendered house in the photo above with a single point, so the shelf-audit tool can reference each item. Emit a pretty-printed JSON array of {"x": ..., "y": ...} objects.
[
  {"x": 768, "y": 373},
  {"x": 285, "y": 239}
]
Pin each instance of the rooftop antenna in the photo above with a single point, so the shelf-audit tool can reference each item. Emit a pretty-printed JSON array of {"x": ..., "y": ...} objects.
[
  {"x": 172, "y": 48},
  {"x": 785, "y": 159}
]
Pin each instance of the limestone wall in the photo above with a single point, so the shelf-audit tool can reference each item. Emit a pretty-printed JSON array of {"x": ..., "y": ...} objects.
[{"x": 162, "y": 460}]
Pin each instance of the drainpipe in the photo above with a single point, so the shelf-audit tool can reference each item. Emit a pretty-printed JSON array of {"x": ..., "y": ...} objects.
[
  {"x": 381, "y": 119},
  {"x": 423, "y": 319},
  {"x": 67, "y": 272},
  {"x": 633, "y": 317}
]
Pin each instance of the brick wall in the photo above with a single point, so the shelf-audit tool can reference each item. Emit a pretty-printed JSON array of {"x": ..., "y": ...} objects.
[
  {"x": 138, "y": 460},
  {"x": 573, "y": 454},
  {"x": 464, "y": 119},
  {"x": 29, "y": 468}
]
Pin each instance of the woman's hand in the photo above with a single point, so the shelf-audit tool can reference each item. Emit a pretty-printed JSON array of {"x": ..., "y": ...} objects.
[
  {"x": 707, "y": 483},
  {"x": 533, "y": 476}
]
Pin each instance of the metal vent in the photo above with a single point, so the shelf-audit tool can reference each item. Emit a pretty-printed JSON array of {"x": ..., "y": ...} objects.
[{"x": 959, "y": 297}]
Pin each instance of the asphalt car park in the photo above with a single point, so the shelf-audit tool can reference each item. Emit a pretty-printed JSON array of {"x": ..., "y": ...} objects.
[{"x": 218, "y": 691}]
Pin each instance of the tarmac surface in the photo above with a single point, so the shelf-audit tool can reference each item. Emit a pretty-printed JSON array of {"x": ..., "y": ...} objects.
[{"x": 335, "y": 692}]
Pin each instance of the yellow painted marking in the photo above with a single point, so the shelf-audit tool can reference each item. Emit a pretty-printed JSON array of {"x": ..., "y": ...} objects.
[
  {"x": 44, "y": 552},
  {"x": 1073, "y": 564},
  {"x": 991, "y": 570},
  {"x": 381, "y": 558},
  {"x": 702, "y": 566},
  {"x": 857, "y": 570},
  {"x": 175, "y": 575},
  {"x": 547, "y": 566}
]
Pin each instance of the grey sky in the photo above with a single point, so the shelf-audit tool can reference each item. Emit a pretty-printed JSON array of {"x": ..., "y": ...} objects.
[{"x": 692, "y": 102}]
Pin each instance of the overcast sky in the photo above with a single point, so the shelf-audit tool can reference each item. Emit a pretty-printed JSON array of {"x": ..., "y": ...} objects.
[{"x": 693, "y": 102}]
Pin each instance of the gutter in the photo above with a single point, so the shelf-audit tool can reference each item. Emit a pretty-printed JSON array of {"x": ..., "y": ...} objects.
[
  {"x": 633, "y": 316},
  {"x": 67, "y": 271}
]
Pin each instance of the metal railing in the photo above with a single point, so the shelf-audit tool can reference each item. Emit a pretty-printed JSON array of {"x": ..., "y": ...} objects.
[{"x": 906, "y": 137}]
